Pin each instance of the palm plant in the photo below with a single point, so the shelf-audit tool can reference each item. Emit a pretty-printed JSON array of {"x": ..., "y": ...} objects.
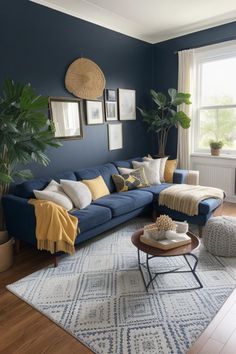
[
  {"x": 25, "y": 133},
  {"x": 164, "y": 116}
]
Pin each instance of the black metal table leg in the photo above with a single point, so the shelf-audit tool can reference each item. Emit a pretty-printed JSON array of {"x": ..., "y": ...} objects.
[{"x": 176, "y": 270}]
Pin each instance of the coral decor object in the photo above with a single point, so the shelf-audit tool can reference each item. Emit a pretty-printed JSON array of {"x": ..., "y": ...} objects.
[
  {"x": 165, "y": 223},
  {"x": 158, "y": 230}
]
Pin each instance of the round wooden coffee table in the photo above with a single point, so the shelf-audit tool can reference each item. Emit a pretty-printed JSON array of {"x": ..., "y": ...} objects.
[{"x": 153, "y": 252}]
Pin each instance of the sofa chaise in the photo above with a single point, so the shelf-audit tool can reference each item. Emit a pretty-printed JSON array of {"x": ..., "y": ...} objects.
[{"x": 102, "y": 214}]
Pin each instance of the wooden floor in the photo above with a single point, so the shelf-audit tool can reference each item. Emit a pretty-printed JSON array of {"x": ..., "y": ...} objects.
[{"x": 24, "y": 330}]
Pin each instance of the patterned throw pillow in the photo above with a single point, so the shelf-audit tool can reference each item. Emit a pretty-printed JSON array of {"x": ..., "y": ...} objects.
[{"x": 129, "y": 181}]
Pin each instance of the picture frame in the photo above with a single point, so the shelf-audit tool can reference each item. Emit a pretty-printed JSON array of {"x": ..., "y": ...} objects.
[
  {"x": 111, "y": 111},
  {"x": 127, "y": 104},
  {"x": 66, "y": 115},
  {"x": 115, "y": 136},
  {"x": 94, "y": 112},
  {"x": 110, "y": 95}
]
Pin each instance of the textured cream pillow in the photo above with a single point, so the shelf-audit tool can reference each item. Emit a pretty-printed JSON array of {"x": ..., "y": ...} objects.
[
  {"x": 78, "y": 192},
  {"x": 54, "y": 193},
  {"x": 97, "y": 187},
  {"x": 151, "y": 169},
  {"x": 162, "y": 165}
]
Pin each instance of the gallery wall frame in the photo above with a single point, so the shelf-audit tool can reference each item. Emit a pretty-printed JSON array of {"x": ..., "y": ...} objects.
[
  {"x": 110, "y": 95},
  {"x": 127, "y": 104},
  {"x": 94, "y": 112},
  {"x": 115, "y": 136},
  {"x": 66, "y": 115},
  {"x": 111, "y": 111}
]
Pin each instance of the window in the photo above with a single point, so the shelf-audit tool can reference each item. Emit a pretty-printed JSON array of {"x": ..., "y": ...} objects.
[{"x": 214, "y": 97}]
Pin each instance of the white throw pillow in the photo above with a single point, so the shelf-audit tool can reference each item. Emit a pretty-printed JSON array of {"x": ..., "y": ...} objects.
[
  {"x": 54, "y": 193},
  {"x": 125, "y": 170},
  {"x": 162, "y": 165},
  {"x": 151, "y": 169},
  {"x": 78, "y": 192}
]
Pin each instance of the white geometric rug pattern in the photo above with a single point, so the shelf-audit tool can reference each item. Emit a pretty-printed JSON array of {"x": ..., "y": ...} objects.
[{"x": 98, "y": 296}]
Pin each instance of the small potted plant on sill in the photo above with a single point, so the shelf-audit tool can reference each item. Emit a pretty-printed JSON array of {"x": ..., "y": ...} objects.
[
  {"x": 216, "y": 146},
  {"x": 25, "y": 133}
]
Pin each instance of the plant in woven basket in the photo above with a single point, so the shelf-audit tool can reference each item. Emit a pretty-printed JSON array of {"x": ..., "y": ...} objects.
[
  {"x": 164, "y": 115},
  {"x": 25, "y": 133}
]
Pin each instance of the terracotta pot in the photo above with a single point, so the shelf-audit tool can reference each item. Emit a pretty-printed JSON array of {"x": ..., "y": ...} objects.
[
  {"x": 215, "y": 152},
  {"x": 6, "y": 251}
]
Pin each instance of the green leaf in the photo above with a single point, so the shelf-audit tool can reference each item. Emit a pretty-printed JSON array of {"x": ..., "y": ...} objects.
[
  {"x": 172, "y": 93},
  {"x": 23, "y": 174},
  {"x": 182, "y": 119},
  {"x": 159, "y": 98},
  {"x": 181, "y": 98},
  {"x": 5, "y": 178},
  {"x": 25, "y": 132}
]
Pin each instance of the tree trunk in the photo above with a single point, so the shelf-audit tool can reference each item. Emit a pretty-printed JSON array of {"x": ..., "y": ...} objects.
[{"x": 162, "y": 143}]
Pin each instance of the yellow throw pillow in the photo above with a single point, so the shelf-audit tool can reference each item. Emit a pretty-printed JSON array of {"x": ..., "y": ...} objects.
[
  {"x": 97, "y": 187},
  {"x": 170, "y": 168}
]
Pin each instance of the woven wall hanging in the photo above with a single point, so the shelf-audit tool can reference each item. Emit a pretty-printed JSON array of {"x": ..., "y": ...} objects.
[{"x": 85, "y": 79}]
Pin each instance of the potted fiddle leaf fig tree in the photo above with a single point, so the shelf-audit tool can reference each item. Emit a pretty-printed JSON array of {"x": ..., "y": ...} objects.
[
  {"x": 164, "y": 115},
  {"x": 25, "y": 133}
]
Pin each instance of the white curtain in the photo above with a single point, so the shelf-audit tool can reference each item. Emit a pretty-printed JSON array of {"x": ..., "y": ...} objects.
[{"x": 185, "y": 84}]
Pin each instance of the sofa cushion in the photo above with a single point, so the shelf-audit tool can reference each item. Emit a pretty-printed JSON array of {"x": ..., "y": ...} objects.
[
  {"x": 151, "y": 169},
  {"x": 205, "y": 207},
  {"x": 78, "y": 192},
  {"x": 106, "y": 171},
  {"x": 156, "y": 188},
  {"x": 127, "y": 163},
  {"x": 170, "y": 168},
  {"x": 25, "y": 189},
  {"x": 139, "y": 197},
  {"x": 208, "y": 205},
  {"x": 91, "y": 216},
  {"x": 125, "y": 202},
  {"x": 54, "y": 193},
  {"x": 128, "y": 181},
  {"x": 97, "y": 187}
]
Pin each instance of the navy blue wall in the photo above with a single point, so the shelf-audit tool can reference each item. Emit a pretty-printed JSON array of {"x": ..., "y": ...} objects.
[
  {"x": 37, "y": 44},
  {"x": 166, "y": 61}
]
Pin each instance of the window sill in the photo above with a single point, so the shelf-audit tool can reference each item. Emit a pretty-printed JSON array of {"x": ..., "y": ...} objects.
[{"x": 209, "y": 156}]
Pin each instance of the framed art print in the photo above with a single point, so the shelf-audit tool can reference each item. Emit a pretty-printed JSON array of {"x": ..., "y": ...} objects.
[
  {"x": 110, "y": 95},
  {"x": 94, "y": 112},
  {"x": 115, "y": 138},
  {"x": 111, "y": 111},
  {"x": 127, "y": 104}
]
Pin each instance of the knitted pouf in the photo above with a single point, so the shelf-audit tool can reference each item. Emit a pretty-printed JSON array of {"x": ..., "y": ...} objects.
[{"x": 220, "y": 236}]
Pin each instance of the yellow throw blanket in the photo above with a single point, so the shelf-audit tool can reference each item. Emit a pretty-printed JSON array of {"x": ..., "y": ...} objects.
[
  {"x": 186, "y": 198},
  {"x": 56, "y": 229}
]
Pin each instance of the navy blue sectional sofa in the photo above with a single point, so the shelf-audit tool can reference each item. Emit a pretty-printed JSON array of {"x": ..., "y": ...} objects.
[{"x": 104, "y": 213}]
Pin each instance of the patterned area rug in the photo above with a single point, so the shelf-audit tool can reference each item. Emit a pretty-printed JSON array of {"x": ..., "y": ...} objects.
[{"x": 98, "y": 296}]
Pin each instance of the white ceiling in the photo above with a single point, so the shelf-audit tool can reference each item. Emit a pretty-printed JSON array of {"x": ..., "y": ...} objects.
[{"x": 150, "y": 20}]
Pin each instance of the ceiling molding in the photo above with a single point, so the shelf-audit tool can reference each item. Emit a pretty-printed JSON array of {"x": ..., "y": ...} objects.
[{"x": 120, "y": 24}]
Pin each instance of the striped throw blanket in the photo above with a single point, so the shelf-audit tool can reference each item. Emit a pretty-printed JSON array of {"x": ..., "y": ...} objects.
[{"x": 186, "y": 198}]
